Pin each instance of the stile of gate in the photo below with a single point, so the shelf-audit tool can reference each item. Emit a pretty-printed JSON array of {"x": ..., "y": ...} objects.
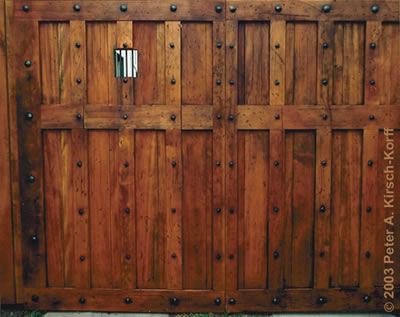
[{"x": 237, "y": 172}]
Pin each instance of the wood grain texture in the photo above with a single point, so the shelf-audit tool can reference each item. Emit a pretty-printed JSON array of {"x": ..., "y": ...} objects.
[
  {"x": 277, "y": 62},
  {"x": 325, "y": 62}
]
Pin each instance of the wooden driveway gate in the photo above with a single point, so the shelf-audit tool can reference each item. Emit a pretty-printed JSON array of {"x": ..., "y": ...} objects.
[{"x": 240, "y": 171}]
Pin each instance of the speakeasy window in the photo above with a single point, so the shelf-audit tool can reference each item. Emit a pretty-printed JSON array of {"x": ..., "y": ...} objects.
[{"x": 126, "y": 62}]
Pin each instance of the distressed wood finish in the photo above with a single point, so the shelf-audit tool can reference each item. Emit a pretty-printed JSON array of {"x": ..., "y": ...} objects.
[{"x": 240, "y": 171}]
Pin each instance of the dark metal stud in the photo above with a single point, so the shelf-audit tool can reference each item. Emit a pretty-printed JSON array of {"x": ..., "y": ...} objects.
[
  {"x": 35, "y": 298},
  {"x": 217, "y": 301},
  {"x": 232, "y": 9},
  {"x": 82, "y": 258},
  {"x": 276, "y": 254},
  {"x": 277, "y": 82},
  {"x": 231, "y": 117},
  {"x": 173, "y": 8},
  {"x": 323, "y": 163},
  {"x": 324, "y": 82},
  {"x": 125, "y": 80},
  {"x": 326, "y": 8},
  {"x": 231, "y": 46},
  {"x": 34, "y": 238},
  {"x": 375, "y": 9},
  {"x": 231, "y": 256},
  {"x": 25, "y": 8},
  {"x": 81, "y": 211},
  {"x": 278, "y": 8},
  {"x": 218, "y": 210},
  {"x": 370, "y": 163},
  {"x": 322, "y": 208},
  {"x": 125, "y": 116},
  {"x": 369, "y": 209},
  {"x": 325, "y": 45},
  {"x": 219, "y": 45},
  {"x": 79, "y": 164},
  {"x": 173, "y": 163},
  {"x": 173, "y": 255},
  {"x": 77, "y": 45},
  {"x": 276, "y": 209},
  {"x": 371, "y": 117},
  {"x": 29, "y": 115},
  {"x": 231, "y": 211},
  {"x": 324, "y": 116},
  {"x": 173, "y": 117},
  {"x": 28, "y": 63},
  {"x": 367, "y": 298},
  {"x": 277, "y": 117},
  {"x": 78, "y": 80},
  {"x": 321, "y": 300},
  {"x": 372, "y": 45},
  {"x": 367, "y": 254},
  {"x": 321, "y": 254},
  {"x": 82, "y": 300},
  {"x": 128, "y": 257},
  {"x": 218, "y": 163},
  {"x": 123, "y": 8},
  {"x": 372, "y": 82},
  {"x": 218, "y": 256},
  {"x": 277, "y": 45},
  {"x": 171, "y": 45},
  {"x": 275, "y": 300},
  {"x": 126, "y": 164},
  {"x": 231, "y": 82},
  {"x": 173, "y": 81},
  {"x": 219, "y": 82},
  {"x": 218, "y": 9},
  {"x": 276, "y": 163},
  {"x": 125, "y": 45},
  {"x": 232, "y": 301},
  {"x": 78, "y": 116},
  {"x": 231, "y": 163},
  {"x": 77, "y": 7},
  {"x": 127, "y": 210},
  {"x": 174, "y": 301},
  {"x": 31, "y": 178},
  {"x": 128, "y": 300},
  {"x": 218, "y": 116},
  {"x": 173, "y": 210}
]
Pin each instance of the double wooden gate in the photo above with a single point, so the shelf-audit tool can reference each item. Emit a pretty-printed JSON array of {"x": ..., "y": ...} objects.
[{"x": 241, "y": 170}]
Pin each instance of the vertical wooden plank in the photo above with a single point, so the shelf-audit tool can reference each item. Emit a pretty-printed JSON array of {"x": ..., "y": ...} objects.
[
  {"x": 78, "y": 62},
  {"x": 124, "y": 32},
  {"x": 7, "y": 287},
  {"x": 218, "y": 223},
  {"x": 253, "y": 210},
  {"x": 197, "y": 204},
  {"x": 80, "y": 274},
  {"x": 277, "y": 211},
  {"x": 325, "y": 62},
  {"x": 231, "y": 214},
  {"x": 196, "y": 63},
  {"x": 322, "y": 207},
  {"x": 150, "y": 214},
  {"x": 373, "y": 80},
  {"x": 173, "y": 161},
  {"x": 277, "y": 62},
  {"x": 27, "y": 93}
]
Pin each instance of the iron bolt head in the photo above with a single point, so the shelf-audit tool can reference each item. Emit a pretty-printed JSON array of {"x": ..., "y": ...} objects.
[
  {"x": 128, "y": 300},
  {"x": 173, "y": 117},
  {"x": 321, "y": 300},
  {"x": 125, "y": 45},
  {"x": 276, "y": 209},
  {"x": 123, "y": 8},
  {"x": 218, "y": 163},
  {"x": 173, "y": 210},
  {"x": 321, "y": 254},
  {"x": 28, "y": 63},
  {"x": 231, "y": 256},
  {"x": 81, "y": 211},
  {"x": 217, "y": 301},
  {"x": 367, "y": 298},
  {"x": 369, "y": 209},
  {"x": 127, "y": 210},
  {"x": 171, "y": 45},
  {"x": 25, "y": 8},
  {"x": 125, "y": 116},
  {"x": 231, "y": 163},
  {"x": 125, "y": 81},
  {"x": 126, "y": 164},
  {"x": 231, "y": 82},
  {"x": 174, "y": 301},
  {"x": 173, "y": 81},
  {"x": 277, "y": 45},
  {"x": 232, "y": 301},
  {"x": 323, "y": 163},
  {"x": 78, "y": 80},
  {"x": 128, "y": 257},
  {"x": 231, "y": 211},
  {"x": 276, "y": 163},
  {"x": 218, "y": 116},
  {"x": 277, "y": 82},
  {"x": 231, "y": 46},
  {"x": 370, "y": 163},
  {"x": 173, "y": 255},
  {"x": 35, "y": 298},
  {"x": 218, "y": 210},
  {"x": 82, "y": 258},
  {"x": 77, "y": 7},
  {"x": 372, "y": 45},
  {"x": 218, "y": 256},
  {"x": 218, "y": 9},
  {"x": 375, "y": 9},
  {"x": 325, "y": 45},
  {"x": 368, "y": 254},
  {"x": 77, "y": 45},
  {"x": 82, "y": 300},
  {"x": 29, "y": 115},
  {"x": 277, "y": 117},
  {"x": 232, "y": 9},
  {"x": 275, "y": 300},
  {"x": 324, "y": 82},
  {"x": 34, "y": 238},
  {"x": 173, "y": 163},
  {"x": 371, "y": 117},
  {"x": 219, "y": 45},
  {"x": 324, "y": 116},
  {"x": 278, "y": 8},
  {"x": 322, "y": 208},
  {"x": 231, "y": 117},
  {"x": 79, "y": 164},
  {"x": 326, "y": 8},
  {"x": 276, "y": 254},
  {"x": 173, "y": 8},
  {"x": 372, "y": 82},
  {"x": 219, "y": 82},
  {"x": 31, "y": 178},
  {"x": 78, "y": 116}
]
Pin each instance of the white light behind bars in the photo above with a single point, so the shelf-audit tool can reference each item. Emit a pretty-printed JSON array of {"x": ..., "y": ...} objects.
[{"x": 126, "y": 62}]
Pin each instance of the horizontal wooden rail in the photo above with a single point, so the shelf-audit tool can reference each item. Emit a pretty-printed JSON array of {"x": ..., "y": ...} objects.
[
  {"x": 199, "y": 10},
  {"x": 311, "y": 10}
]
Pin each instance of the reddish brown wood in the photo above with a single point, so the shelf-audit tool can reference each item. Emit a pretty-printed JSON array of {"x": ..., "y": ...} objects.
[{"x": 277, "y": 62}]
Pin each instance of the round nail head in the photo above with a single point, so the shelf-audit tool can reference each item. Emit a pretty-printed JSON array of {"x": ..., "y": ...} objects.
[
  {"x": 218, "y": 9},
  {"x": 29, "y": 115},
  {"x": 28, "y": 63},
  {"x": 372, "y": 46},
  {"x": 326, "y": 8},
  {"x": 77, "y": 7},
  {"x": 123, "y": 8},
  {"x": 173, "y": 8},
  {"x": 278, "y": 8},
  {"x": 25, "y": 8},
  {"x": 375, "y": 9}
]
